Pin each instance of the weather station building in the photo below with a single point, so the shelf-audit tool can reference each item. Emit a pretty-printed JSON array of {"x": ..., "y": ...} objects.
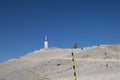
[{"x": 46, "y": 43}]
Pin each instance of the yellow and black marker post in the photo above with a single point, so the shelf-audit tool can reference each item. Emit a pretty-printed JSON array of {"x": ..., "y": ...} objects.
[{"x": 73, "y": 64}]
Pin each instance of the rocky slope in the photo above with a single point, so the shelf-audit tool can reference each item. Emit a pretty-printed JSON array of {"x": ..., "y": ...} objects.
[{"x": 100, "y": 62}]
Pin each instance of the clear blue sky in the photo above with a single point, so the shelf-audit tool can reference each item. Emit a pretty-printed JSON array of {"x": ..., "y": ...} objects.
[{"x": 24, "y": 23}]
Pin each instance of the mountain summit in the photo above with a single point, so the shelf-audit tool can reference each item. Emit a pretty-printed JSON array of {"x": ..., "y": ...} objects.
[{"x": 101, "y": 62}]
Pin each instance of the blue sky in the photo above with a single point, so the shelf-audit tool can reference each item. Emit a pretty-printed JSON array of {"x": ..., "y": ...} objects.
[{"x": 24, "y": 24}]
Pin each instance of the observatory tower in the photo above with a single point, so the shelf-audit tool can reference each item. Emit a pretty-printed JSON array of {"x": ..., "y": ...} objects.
[{"x": 46, "y": 43}]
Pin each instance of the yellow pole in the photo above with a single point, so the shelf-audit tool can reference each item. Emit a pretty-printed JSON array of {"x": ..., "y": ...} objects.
[{"x": 73, "y": 64}]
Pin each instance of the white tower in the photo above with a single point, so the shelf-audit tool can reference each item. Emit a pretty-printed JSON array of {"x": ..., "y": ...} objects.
[{"x": 46, "y": 43}]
